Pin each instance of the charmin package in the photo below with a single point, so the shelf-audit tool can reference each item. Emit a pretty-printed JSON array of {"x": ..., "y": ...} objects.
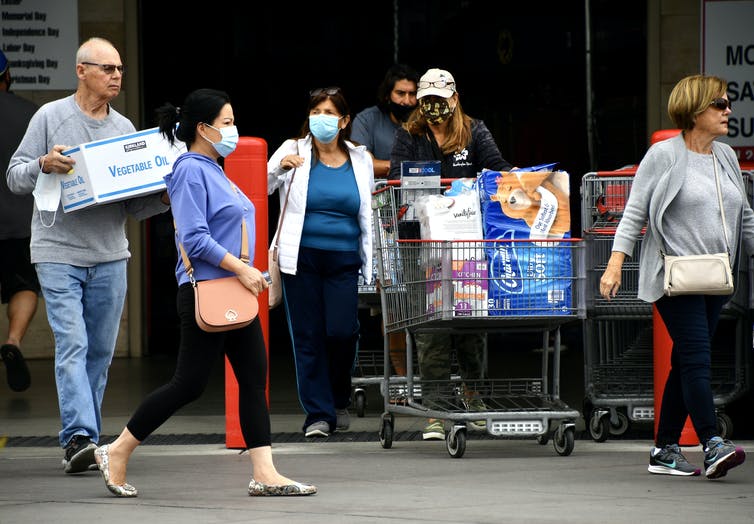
[
  {"x": 519, "y": 208},
  {"x": 118, "y": 168},
  {"x": 529, "y": 278},
  {"x": 532, "y": 204}
]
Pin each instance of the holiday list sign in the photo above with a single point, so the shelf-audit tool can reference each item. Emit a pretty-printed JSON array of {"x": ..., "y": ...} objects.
[{"x": 39, "y": 39}]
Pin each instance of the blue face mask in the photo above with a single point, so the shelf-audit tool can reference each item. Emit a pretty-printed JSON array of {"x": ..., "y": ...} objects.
[
  {"x": 228, "y": 140},
  {"x": 324, "y": 127}
]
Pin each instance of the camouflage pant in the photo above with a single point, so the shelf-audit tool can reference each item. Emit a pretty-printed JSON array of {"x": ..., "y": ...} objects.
[{"x": 434, "y": 350}]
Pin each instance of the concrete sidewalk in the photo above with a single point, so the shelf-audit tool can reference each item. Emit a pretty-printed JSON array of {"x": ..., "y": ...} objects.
[
  {"x": 497, "y": 480},
  {"x": 414, "y": 481}
]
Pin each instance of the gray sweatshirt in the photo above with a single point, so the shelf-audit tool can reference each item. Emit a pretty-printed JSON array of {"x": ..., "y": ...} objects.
[{"x": 89, "y": 236}]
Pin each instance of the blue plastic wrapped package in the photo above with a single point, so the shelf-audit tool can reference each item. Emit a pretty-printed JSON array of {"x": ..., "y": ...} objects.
[
  {"x": 534, "y": 204},
  {"x": 460, "y": 185},
  {"x": 527, "y": 276}
]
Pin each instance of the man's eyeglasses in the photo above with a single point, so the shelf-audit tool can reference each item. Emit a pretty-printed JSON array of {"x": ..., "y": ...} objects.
[
  {"x": 423, "y": 84},
  {"x": 108, "y": 69},
  {"x": 721, "y": 103},
  {"x": 329, "y": 91}
]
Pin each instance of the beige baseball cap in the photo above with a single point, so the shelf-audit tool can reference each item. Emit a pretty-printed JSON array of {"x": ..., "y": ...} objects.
[{"x": 436, "y": 82}]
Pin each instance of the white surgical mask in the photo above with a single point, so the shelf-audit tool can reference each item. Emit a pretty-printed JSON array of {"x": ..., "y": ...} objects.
[{"x": 47, "y": 195}]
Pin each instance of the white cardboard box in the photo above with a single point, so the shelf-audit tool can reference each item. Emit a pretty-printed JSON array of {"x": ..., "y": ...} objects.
[{"x": 118, "y": 168}]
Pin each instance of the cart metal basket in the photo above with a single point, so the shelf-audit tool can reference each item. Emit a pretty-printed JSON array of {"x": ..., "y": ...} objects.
[
  {"x": 479, "y": 286},
  {"x": 618, "y": 344}
]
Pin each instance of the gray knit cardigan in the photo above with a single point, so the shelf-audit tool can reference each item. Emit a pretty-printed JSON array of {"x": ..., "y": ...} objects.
[{"x": 659, "y": 178}]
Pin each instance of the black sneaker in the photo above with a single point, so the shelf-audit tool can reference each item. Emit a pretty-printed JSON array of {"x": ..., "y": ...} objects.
[
  {"x": 720, "y": 456},
  {"x": 19, "y": 378},
  {"x": 670, "y": 461},
  {"x": 79, "y": 454}
]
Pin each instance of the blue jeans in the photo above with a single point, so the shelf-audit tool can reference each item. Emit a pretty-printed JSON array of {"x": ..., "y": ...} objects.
[
  {"x": 84, "y": 307},
  {"x": 691, "y": 321}
]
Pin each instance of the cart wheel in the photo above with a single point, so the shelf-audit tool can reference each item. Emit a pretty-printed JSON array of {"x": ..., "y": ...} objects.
[
  {"x": 543, "y": 439},
  {"x": 563, "y": 440},
  {"x": 456, "y": 443},
  {"x": 599, "y": 427},
  {"x": 724, "y": 425},
  {"x": 621, "y": 427},
  {"x": 386, "y": 433},
  {"x": 360, "y": 400}
]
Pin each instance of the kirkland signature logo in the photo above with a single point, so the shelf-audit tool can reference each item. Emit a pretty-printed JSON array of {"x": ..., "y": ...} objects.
[{"x": 134, "y": 146}]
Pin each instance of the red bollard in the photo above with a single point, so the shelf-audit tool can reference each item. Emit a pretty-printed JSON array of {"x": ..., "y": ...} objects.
[
  {"x": 663, "y": 345},
  {"x": 247, "y": 168}
]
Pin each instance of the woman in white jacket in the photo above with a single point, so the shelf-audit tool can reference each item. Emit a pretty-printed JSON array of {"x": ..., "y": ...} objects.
[{"x": 324, "y": 241}]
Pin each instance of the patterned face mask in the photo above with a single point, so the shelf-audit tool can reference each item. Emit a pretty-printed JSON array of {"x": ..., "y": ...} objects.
[{"x": 435, "y": 110}]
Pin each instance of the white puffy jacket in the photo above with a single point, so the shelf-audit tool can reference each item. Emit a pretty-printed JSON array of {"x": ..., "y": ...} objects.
[{"x": 293, "y": 223}]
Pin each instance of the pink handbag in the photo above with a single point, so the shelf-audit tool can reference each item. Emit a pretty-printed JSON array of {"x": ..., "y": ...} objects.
[{"x": 222, "y": 304}]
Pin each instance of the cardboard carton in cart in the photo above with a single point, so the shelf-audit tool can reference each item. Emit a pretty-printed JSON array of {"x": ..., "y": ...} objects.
[{"x": 118, "y": 168}]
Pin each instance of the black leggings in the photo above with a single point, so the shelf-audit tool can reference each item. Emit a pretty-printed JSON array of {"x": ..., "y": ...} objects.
[{"x": 197, "y": 353}]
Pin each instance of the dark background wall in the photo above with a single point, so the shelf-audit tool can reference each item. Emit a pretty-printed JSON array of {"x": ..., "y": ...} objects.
[{"x": 519, "y": 66}]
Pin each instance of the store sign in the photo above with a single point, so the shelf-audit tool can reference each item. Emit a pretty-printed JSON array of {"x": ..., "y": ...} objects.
[
  {"x": 40, "y": 39},
  {"x": 728, "y": 52}
]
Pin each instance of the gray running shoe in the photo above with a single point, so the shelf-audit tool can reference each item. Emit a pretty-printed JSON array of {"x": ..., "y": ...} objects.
[
  {"x": 720, "y": 456},
  {"x": 344, "y": 420},
  {"x": 318, "y": 429},
  {"x": 670, "y": 461}
]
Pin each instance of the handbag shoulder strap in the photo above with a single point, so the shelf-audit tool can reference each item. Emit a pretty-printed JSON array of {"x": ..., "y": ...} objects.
[
  {"x": 285, "y": 204},
  {"x": 719, "y": 202},
  {"x": 244, "y": 255}
]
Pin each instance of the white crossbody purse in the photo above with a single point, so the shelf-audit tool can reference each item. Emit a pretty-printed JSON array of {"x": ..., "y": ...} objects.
[{"x": 701, "y": 274}]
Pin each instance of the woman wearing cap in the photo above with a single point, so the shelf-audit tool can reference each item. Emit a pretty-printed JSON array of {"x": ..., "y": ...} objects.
[
  {"x": 440, "y": 130},
  {"x": 324, "y": 241}
]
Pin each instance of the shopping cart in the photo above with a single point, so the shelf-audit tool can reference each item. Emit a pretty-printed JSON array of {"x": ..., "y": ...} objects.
[
  {"x": 370, "y": 364},
  {"x": 472, "y": 286},
  {"x": 618, "y": 336}
]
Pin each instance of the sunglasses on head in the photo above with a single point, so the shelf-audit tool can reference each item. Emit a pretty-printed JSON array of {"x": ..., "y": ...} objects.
[
  {"x": 721, "y": 103},
  {"x": 423, "y": 84},
  {"x": 329, "y": 91}
]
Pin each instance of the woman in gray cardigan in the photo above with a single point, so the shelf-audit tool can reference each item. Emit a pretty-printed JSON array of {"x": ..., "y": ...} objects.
[{"x": 674, "y": 194}]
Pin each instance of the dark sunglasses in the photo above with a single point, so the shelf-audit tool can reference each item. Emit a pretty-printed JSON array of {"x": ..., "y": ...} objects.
[
  {"x": 109, "y": 69},
  {"x": 329, "y": 91},
  {"x": 722, "y": 104}
]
